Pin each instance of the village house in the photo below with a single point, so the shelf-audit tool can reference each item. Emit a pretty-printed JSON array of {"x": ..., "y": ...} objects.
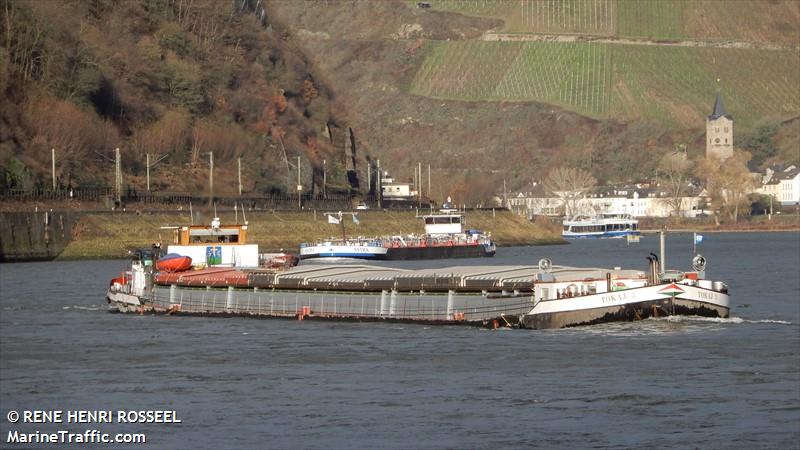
[
  {"x": 637, "y": 201},
  {"x": 782, "y": 185}
]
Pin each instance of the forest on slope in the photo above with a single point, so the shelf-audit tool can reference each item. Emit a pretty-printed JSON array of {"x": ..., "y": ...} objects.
[{"x": 175, "y": 79}]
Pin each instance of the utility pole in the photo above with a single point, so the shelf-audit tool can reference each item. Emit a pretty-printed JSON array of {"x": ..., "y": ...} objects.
[
  {"x": 118, "y": 177},
  {"x": 299, "y": 186},
  {"x": 53, "y": 159},
  {"x": 380, "y": 187},
  {"x": 324, "y": 178},
  {"x": 429, "y": 181},
  {"x": 419, "y": 188},
  {"x": 505, "y": 198},
  {"x": 239, "y": 161},
  {"x": 153, "y": 164},
  {"x": 210, "y": 177}
]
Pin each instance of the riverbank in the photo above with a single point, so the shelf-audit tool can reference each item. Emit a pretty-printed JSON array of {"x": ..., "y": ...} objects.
[
  {"x": 782, "y": 222},
  {"x": 112, "y": 234},
  {"x": 102, "y": 234}
]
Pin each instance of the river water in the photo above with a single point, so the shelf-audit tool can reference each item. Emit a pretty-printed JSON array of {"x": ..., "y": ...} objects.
[{"x": 247, "y": 383}]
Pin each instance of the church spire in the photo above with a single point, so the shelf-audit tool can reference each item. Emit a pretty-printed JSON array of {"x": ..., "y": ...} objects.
[{"x": 719, "y": 108}]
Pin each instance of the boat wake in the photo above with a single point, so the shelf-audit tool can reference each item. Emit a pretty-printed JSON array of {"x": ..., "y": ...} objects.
[
  {"x": 667, "y": 325},
  {"x": 731, "y": 320},
  {"x": 83, "y": 307}
]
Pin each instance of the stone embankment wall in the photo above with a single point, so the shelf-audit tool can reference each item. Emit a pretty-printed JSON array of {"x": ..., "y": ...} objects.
[{"x": 34, "y": 236}]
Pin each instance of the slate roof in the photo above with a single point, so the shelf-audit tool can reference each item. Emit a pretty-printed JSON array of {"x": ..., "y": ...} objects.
[{"x": 719, "y": 109}]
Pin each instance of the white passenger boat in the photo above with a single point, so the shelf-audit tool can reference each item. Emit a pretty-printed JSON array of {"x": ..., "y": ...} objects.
[{"x": 603, "y": 226}]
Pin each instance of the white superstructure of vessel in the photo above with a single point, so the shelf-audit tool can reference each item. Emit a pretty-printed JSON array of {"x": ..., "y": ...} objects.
[{"x": 602, "y": 226}]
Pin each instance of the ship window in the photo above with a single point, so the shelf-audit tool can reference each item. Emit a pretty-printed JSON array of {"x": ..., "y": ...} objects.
[{"x": 428, "y": 220}]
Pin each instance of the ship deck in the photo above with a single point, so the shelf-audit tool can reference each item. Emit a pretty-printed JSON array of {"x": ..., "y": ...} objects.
[{"x": 370, "y": 278}]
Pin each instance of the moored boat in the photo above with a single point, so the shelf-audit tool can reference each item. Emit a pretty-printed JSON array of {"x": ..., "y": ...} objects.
[
  {"x": 602, "y": 226},
  {"x": 444, "y": 237}
]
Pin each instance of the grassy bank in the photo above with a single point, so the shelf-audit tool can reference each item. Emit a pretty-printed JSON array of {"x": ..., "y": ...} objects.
[
  {"x": 110, "y": 235},
  {"x": 786, "y": 222}
]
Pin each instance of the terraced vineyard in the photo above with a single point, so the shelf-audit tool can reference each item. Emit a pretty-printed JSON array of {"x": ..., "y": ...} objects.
[
  {"x": 752, "y": 20},
  {"x": 671, "y": 84},
  {"x": 573, "y": 75},
  {"x": 662, "y": 19},
  {"x": 677, "y": 83},
  {"x": 541, "y": 16}
]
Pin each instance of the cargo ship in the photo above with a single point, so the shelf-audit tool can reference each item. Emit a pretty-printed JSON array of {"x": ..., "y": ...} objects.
[
  {"x": 445, "y": 237},
  {"x": 540, "y": 296}
]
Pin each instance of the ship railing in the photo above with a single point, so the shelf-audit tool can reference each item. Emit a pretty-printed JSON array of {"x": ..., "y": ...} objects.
[{"x": 391, "y": 305}]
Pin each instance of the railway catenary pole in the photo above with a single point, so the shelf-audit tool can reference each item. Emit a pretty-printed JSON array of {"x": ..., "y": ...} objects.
[
  {"x": 118, "y": 177},
  {"x": 380, "y": 185},
  {"x": 299, "y": 186},
  {"x": 419, "y": 188},
  {"x": 53, "y": 160},
  {"x": 663, "y": 235},
  {"x": 211, "y": 177}
]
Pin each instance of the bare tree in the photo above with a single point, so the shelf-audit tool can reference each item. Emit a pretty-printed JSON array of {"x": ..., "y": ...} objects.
[
  {"x": 569, "y": 184},
  {"x": 675, "y": 168},
  {"x": 728, "y": 183}
]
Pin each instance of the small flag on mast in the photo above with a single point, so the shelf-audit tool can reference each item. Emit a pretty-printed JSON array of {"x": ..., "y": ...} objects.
[
  {"x": 698, "y": 238},
  {"x": 332, "y": 219}
]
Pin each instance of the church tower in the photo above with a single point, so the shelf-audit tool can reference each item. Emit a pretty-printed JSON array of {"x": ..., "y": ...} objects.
[{"x": 719, "y": 132}]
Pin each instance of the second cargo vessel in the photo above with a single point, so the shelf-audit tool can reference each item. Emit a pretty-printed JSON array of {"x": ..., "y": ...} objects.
[{"x": 445, "y": 237}]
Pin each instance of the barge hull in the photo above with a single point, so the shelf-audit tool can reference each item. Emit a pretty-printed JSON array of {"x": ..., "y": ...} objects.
[
  {"x": 448, "y": 307},
  {"x": 622, "y": 313},
  {"x": 438, "y": 252}
]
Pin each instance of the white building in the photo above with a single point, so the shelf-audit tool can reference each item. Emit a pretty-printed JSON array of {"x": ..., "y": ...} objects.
[
  {"x": 396, "y": 191},
  {"x": 635, "y": 201},
  {"x": 782, "y": 185}
]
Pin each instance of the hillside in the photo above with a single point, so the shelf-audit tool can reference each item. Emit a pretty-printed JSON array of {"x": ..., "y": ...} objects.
[
  {"x": 601, "y": 84},
  {"x": 484, "y": 92}
]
